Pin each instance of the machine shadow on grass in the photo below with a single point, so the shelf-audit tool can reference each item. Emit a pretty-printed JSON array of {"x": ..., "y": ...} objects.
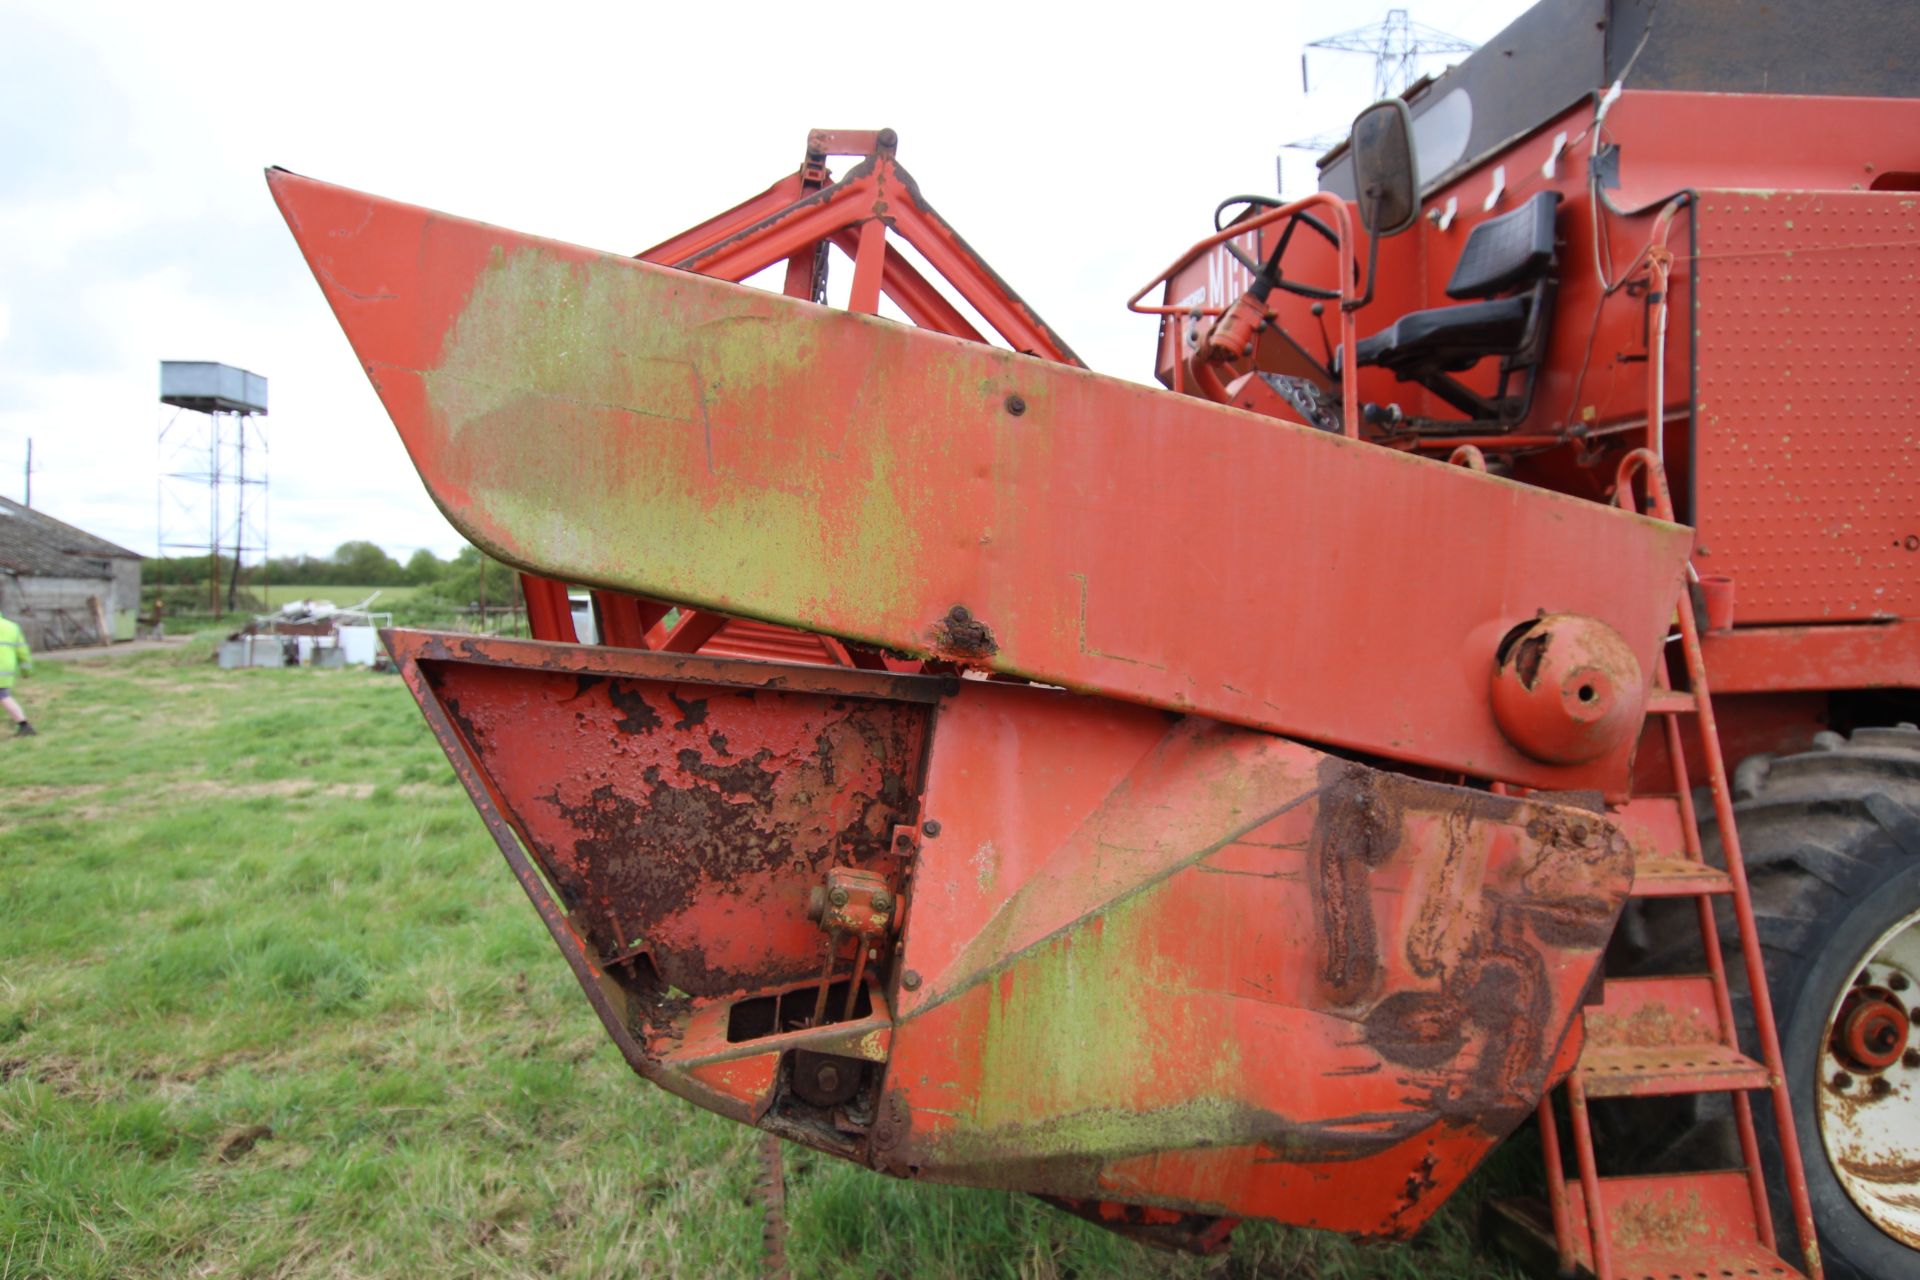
[{"x": 270, "y": 1006}]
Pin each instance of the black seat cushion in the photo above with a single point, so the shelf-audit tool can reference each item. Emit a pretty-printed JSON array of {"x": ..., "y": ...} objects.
[
  {"x": 1506, "y": 252},
  {"x": 1452, "y": 338}
]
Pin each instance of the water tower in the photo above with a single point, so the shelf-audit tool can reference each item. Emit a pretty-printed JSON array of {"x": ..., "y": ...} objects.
[{"x": 213, "y": 468}]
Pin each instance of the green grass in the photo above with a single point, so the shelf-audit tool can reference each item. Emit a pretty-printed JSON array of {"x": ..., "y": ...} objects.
[
  {"x": 271, "y": 1006},
  {"x": 277, "y": 594}
]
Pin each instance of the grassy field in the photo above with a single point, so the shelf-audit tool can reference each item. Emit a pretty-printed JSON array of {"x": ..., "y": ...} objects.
[{"x": 270, "y": 1005}]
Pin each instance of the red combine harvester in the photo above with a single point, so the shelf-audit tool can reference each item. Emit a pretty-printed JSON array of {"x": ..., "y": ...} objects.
[{"x": 1261, "y": 796}]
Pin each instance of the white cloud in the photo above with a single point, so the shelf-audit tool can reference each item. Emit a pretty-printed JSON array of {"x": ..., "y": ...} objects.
[{"x": 1078, "y": 147}]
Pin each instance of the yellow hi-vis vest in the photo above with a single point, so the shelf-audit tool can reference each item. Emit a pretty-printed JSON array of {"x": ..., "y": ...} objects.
[{"x": 14, "y": 653}]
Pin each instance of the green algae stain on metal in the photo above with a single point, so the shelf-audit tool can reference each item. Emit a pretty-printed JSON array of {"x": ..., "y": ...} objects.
[
  {"x": 577, "y": 401},
  {"x": 1088, "y": 1139},
  {"x": 539, "y": 326},
  {"x": 1086, "y": 1021}
]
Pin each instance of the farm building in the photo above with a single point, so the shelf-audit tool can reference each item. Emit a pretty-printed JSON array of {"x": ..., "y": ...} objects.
[{"x": 63, "y": 585}]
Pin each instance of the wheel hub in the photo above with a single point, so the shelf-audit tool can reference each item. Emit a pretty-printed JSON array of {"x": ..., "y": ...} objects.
[
  {"x": 1872, "y": 1030},
  {"x": 1869, "y": 1094}
]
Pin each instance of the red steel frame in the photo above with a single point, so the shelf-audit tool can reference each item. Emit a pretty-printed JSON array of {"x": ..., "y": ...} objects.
[
  {"x": 1354, "y": 1195},
  {"x": 1735, "y": 381},
  {"x": 1679, "y": 329},
  {"x": 1396, "y": 1017},
  {"x": 1200, "y": 370},
  {"x": 972, "y": 505},
  {"x": 797, "y": 218}
]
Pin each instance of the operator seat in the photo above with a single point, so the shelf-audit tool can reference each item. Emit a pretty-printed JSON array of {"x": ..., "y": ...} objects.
[{"x": 1511, "y": 255}]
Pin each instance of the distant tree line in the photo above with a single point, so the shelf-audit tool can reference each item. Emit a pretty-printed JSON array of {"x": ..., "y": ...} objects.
[
  {"x": 351, "y": 564},
  {"x": 470, "y": 576},
  {"x": 357, "y": 564}
]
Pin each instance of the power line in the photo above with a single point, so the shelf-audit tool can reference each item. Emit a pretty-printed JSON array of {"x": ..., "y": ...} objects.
[{"x": 1396, "y": 43}]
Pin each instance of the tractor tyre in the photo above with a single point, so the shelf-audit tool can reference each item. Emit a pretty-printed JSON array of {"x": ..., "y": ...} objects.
[{"x": 1831, "y": 840}]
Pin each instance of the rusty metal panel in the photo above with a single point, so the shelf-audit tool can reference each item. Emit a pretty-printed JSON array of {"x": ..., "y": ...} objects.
[
  {"x": 683, "y": 821},
  {"x": 612, "y": 422},
  {"x": 1145, "y": 960},
  {"x": 1807, "y": 464},
  {"x": 1177, "y": 963}
]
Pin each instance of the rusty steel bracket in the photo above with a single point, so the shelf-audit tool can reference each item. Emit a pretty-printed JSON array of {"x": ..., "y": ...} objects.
[
  {"x": 857, "y": 903},
  {"x": 877, "y": 193}
]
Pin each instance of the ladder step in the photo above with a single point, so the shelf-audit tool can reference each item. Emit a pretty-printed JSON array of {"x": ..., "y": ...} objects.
[
  {"x": 1678, "y": 1225},
  {"x": 1742, "y": 1262},
  {"x": 1632, "y": 1071},
  {"x": 1661, "y": 867},
  {"x": 1666, "y": 702},
  {"x": 1677, "y": 878},
  {"x": 1651, "y": 1037}
]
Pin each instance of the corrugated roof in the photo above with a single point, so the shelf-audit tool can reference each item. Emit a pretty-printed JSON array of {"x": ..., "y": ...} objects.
[{"x": 34, "y": 543}]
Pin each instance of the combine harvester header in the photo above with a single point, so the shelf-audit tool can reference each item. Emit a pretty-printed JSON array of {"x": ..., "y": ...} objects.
[{"x": 1218, "y": 800}]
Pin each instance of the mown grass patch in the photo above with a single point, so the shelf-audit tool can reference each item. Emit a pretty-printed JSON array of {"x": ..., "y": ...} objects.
[
  {"x": 270, "y": 1006},
  {"x": 279, "y": 593}
]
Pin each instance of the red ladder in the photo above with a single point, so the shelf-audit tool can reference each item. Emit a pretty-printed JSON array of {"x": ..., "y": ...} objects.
[{"x": 1675, "y": 1034}]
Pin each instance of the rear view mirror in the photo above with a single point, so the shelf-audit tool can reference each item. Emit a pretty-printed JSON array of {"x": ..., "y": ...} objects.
[{"x": 1385, "y": 176}]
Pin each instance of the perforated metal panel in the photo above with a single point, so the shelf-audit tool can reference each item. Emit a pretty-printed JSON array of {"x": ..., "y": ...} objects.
[{"x": 1807, "y": 456}]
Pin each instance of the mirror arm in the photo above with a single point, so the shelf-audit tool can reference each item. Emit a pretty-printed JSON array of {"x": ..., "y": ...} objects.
[{"x": 1373, "y": 260}]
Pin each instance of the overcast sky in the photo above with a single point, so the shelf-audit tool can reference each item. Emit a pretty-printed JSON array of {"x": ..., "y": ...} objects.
[{"x": 1078, "y": 147}]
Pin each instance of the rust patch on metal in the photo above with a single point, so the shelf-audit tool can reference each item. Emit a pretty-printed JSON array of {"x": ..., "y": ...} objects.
[
  {"x": 1527, "y": 657},
  {"x": 1574, "y": 851},
  {"x": 1416, "y": 1028},
  {"x": 636, "y": 716},
  {"x": 747, "y": 779},
  {"x": 1495, "y": 993},
  {"x": 1660, "y": 1223},
  {"x": 693, "y": 711},
  {"x": 706, "y": 828},
  {"x": 652, "y": 855},
  {"x": 1898, "y": 1173},
  {"x": 1419, "y": 1182},
  {"x": 962, "y": 637},
  {"x": 891, "y": 1137},
  {"x": 1438, "y": 913},
  {"x": 1651, "y": 1026},
  {"x": 671, "y": 838},
  {"x": 1356, "y": 828},
  {"x": 1503, "y": 997}
]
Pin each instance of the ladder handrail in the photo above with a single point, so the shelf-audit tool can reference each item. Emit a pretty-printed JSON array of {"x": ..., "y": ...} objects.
[{"x": 1644, "y": 462}]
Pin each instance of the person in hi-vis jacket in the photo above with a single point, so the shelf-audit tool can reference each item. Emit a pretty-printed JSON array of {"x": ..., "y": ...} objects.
[{"x": 15, "y": 660}]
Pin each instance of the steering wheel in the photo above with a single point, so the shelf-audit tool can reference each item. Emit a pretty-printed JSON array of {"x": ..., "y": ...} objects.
[{"x": 1270, "y": 271}]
